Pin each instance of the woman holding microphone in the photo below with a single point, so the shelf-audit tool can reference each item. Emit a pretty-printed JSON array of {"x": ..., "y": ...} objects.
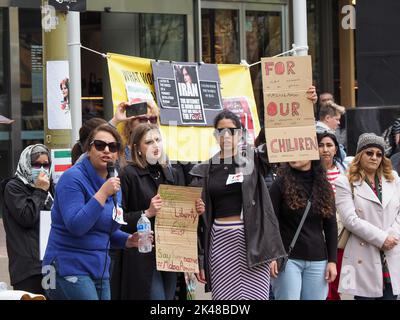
[{"x": 84, "y": 224}]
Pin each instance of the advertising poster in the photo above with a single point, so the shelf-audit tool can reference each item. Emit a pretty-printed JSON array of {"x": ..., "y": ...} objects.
[{"x": 58, "y": 108}]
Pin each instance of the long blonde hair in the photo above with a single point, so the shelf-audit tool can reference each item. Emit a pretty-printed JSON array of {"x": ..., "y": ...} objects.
[{"x": 356, "y": 172}]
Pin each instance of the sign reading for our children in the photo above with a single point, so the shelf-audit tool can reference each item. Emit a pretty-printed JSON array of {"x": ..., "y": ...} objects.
[{"x": 289, "y": 116}]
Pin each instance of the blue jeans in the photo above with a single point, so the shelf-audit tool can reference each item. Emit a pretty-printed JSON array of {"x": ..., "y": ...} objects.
[
  {"x": 301, "y": 280},
  {"x": 79, "y": 288},
  {"x": 163, "y": 285}
]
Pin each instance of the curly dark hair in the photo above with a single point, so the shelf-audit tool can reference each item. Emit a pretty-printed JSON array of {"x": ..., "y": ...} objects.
[{"x": 296, "y": 196}]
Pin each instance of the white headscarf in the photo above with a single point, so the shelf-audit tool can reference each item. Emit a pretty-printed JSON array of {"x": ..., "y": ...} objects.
[{"x": 24, "y": 168}]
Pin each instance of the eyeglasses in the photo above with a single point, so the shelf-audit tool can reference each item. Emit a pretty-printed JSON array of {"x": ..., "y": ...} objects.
[
  {"x": 371, "y": 154},
  {"x": 101, "y": 145},
  {"x": 38, "y": 165},
  {"x": 151, "y": 119},
  {"x": 231, "y": 131}
]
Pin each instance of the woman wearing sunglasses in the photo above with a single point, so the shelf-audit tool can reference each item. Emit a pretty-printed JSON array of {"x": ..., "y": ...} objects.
[
  {"x": 368, "y": 204},
  {"x": 25, "y": 195},
  {"x": 137, "y": 277},
  {"x": 238, "y": 233},
  {"x": 85, "y": 223}
]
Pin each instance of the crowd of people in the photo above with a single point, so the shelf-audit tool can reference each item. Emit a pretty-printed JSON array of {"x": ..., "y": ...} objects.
[{"x": 266, "y": 231}]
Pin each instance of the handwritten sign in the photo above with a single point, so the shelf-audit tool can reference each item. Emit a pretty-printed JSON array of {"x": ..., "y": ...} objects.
[
  {"x": 298, "y": 143},
  {"x": 287, "y": 110},
  {"x": 176, "y": 229},
  {"x": 286, "y": 73}
]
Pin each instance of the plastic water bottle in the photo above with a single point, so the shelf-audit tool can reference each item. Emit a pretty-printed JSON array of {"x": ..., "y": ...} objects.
[{"x": 144, "y": 230}]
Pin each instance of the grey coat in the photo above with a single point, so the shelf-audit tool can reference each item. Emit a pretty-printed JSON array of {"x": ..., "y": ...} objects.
[{"x": 263, "y": 239}]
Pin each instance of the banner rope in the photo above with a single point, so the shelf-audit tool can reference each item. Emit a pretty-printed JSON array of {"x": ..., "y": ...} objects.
[
  {"x": 104, "y": 55},
  {"x": 242, "y": 62}
]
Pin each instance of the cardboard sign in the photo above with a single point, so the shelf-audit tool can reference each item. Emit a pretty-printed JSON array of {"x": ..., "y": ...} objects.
[
  {"x": 289, "y": 115},
  {"x": 176, "y": 229},
  {"x": 288, "y": 109},
  {"x": 286, "y": 73},
  {"x": 292, "y": 144}
]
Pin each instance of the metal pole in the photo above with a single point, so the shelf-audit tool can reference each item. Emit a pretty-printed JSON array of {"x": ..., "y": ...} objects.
[
  {"x": 300, "y": 25},
  {"x": 74, "y": 61}
]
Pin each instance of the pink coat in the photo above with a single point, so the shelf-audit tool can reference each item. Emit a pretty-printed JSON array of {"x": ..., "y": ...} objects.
[{"x": 370, "y": 222}]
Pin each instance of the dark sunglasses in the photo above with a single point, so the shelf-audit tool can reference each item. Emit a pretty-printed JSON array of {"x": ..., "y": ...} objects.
[
  {"x": 151, "y": 119},
  {"x": 38, "y": 165},
  {"x": 101, "y": 145},
  {"x": 371, "y": 153},
  {"x": 221, "y": 131}
]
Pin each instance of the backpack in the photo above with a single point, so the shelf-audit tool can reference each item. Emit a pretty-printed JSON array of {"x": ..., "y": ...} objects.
[{"x": 390, "y": 144}]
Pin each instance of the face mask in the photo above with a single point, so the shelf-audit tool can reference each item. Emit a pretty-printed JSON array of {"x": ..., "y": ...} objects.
[{"x": 36, "y": 172}]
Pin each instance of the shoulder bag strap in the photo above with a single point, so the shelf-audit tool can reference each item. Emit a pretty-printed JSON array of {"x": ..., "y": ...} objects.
[{"x": 296, "y": 235}]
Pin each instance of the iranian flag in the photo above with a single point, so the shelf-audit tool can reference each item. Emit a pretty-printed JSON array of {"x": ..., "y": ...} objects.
[{"x": 61, "y": 162}]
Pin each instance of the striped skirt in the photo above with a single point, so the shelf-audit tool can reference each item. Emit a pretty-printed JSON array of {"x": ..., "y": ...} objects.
[{"x": 231, "y": 278}]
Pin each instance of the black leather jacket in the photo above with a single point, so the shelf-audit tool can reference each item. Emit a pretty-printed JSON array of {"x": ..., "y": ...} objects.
[{"x": 263, "y": 240}]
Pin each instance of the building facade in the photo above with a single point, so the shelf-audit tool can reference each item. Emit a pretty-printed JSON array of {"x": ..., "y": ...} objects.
[{"x": 180, "y": 30}]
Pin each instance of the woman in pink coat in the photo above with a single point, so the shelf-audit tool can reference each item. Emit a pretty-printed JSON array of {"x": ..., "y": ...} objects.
[{"x": 368, "y": 202}]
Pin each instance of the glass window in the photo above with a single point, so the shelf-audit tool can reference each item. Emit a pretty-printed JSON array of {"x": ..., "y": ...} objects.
[
  {"x": 163, "y": 36},
  {"x": 91, "y": 66},
  {"x": 5, "y": 142},
  {"x": 31, "y": 76},
  {"x": 220, "y": 36},
  {"x": 263, "y": 39}
]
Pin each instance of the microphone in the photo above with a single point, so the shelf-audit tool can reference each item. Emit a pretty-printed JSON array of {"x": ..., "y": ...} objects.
[{"x": 111, "y": 174}]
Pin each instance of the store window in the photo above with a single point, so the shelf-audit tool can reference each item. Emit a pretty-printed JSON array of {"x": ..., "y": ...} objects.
[
  {"x": 263, "y": 39},
  {"x": 220, "y": 36},
  {"x": 163, "y": 36},
  {"x": 31, "y": 76}
]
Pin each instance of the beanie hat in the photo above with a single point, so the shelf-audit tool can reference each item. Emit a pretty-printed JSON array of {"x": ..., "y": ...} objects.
[{"x": 370, "y": 140}]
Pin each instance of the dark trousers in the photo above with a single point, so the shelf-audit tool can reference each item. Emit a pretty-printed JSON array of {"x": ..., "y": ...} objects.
[
  {"x": 387, "y": 295},
  {"x": 32, "y": 284}
]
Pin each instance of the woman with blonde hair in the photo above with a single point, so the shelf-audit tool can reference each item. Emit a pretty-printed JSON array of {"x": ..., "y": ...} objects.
[
  {"x": 368, "y": 203},
  {"x": 134, "y": 276}
]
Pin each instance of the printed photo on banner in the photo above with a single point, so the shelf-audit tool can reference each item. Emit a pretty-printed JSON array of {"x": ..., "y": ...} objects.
[
  {"x": 58, "y": 108},
  {"x": 241, "y": 107},
  {"x": 187, "y": 94}
]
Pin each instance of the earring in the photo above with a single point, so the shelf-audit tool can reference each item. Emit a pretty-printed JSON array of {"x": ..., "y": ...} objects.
[{"x": 139, "y": 153}]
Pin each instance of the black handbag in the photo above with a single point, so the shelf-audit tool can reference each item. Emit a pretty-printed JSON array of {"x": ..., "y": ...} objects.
[{"x": 296, "y": 235}]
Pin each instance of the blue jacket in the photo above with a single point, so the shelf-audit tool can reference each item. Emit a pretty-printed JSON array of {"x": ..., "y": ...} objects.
[{"x": 81, "y": 226}]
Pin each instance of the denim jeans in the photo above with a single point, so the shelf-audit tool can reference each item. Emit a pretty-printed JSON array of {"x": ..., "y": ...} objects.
[
  {"x": 163, "y": 285},
  {"x": 301, "y": 280},
  {"x": 79, "y": 288}
]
